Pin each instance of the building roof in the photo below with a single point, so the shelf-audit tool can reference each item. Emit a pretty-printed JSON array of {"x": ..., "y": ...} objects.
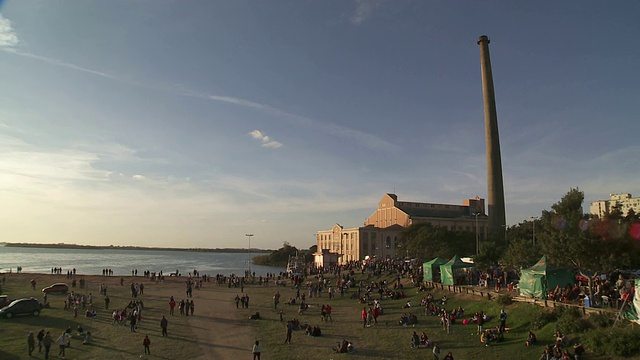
[{"x": 433, "y": 213}]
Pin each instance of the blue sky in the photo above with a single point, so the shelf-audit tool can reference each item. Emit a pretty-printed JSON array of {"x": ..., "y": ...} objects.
[{"x": 193, "y": 123}]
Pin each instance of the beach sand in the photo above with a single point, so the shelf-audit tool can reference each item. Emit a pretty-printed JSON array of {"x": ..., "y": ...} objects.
[{"x": 220, "y": 330}]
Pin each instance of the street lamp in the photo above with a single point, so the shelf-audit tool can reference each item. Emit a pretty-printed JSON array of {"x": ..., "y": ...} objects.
[
  {"x": 534, "y": 218},
  {"x": 249, "y": 253},
  {"x": 477, "y": 240}
]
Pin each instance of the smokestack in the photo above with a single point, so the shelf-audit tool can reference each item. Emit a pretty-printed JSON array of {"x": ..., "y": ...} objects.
[{"x": 497, "y": 216}]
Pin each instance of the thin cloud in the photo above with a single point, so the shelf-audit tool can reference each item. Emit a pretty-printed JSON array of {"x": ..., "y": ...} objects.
[
  {"x": 8, "y": 37},
  {"x": 364, "y": 10},
  {"x": 266, "y": 141},
  {"x": 362, "y": 138}
]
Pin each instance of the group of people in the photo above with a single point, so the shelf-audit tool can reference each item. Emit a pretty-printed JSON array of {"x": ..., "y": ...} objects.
[
  {"x": 185, "y": 307},
  {"x": 43, "y": 340},
  {"x": 242, "y": 300}
]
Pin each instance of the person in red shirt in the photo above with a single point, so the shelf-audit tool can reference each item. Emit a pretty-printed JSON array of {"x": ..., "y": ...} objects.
[
  {"x": 146, "y": 342},
  {"x": 364, "y": 317},
  {"x": 172, "y": 305}
]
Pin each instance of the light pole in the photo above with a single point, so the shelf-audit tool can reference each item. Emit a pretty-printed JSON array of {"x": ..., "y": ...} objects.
[
  {"x": 534, "y": 218},
  {"x": 477, "y": 240},
  {"x": 249, "y": 253}
]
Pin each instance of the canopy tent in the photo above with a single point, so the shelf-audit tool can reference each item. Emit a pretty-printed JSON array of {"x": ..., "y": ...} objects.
[
  {"x": 537, "y": 280},
  {"x": 458, "y": 272},
  {"x": 431, "y": 269}
]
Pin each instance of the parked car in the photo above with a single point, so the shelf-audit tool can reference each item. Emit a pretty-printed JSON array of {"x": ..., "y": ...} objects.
[
  {"x": 4, "y": 301},
  {"x": 21, "y": 307},
  {"x": 56, "y": 288}
]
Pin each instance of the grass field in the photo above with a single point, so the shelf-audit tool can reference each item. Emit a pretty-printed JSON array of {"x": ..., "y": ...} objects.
[{"x": 388, "y": 339}]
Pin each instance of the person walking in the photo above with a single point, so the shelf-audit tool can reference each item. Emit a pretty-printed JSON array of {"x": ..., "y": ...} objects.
[
  {"x": 163, "y": 324},
  {"x": 436, "y": 351},
  {"x": 47, "y": 341},
  {"x": 40, "y": 337},
  {"x": 31, "y": 342},
  {"x": 256, "y": 350},
  {"x": 146, "y": 342},
  {"x": 62, "y": 341}
]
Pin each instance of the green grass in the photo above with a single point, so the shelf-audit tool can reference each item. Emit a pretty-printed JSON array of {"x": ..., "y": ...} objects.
[
  {"x": 386, "y": 340},
  {"x": 110, "y": 341},
  {"x": 390, "y": 340}
]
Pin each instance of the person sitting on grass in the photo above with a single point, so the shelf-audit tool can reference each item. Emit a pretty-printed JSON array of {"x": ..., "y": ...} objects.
[
  {"x": 342, "y": 348},
  {"x": 424, "y": 339},
  {"x": 87, "y": 339},
  {"x": 404, "y": 319},
  {"x": 531, "y": 338},
  {"x": 255, "y": 316}
]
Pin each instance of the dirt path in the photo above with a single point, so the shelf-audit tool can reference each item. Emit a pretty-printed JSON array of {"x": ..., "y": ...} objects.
[{"x": 216, "y": 326}]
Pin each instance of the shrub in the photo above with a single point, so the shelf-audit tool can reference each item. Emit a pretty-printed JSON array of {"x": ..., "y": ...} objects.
[
  {"x": 603, "y": 320},
  {"x": 619, "y": 341},
  {"x": 504, "y": 299},
  {"x": 543, "y": 317},
  {"x": 570, "y": 320}
]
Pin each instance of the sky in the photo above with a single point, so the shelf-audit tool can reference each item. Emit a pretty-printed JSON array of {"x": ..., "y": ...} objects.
[{"x": 194, "y": 123}]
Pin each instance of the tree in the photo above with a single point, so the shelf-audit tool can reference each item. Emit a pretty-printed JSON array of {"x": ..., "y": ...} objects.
[
  {"x": 563, "y": 236},
  {"x": 521, "y": 253},
  {"x": 427, "y": 241}
]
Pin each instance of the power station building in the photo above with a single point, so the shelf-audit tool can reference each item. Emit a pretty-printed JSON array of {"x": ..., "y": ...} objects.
[{"x": 381, "y": 231}]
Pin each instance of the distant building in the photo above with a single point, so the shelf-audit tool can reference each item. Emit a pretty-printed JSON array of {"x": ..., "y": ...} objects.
[
  {"x": 380, "y": 233},
  {"x": 622, "y": 202}
]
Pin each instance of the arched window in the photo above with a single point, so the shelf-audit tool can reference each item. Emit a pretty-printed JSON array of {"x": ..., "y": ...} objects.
[{"x": 387, "y": 242}]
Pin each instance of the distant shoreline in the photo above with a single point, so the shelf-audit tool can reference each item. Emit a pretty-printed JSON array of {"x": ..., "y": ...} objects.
[{"x": 116, "y": 247}]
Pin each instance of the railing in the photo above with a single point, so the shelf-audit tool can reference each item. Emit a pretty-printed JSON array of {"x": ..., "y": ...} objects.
[{"x": 490, "y": 294}]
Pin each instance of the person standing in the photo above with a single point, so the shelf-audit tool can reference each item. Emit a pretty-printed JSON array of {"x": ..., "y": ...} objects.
[
  {"x": 503, "y": 321},
  {"x": 480, "y": 322},
  {"x": 146, "y": 342},
  {"x": 256, "y": 350},
  {"x": 47, "y": 341},
  {"x": 287, "y": 340},
  {"x": 106, "y": 302},
  {"x": 163, "y": 324},
  {"x": 172, "y": 305},
  {"x": 363, "y": 315},
  {"x": 132, "y": 322},
  {"x": 31, "y": 342}
]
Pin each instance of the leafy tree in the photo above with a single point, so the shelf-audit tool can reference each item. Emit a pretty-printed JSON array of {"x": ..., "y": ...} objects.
[
  {"x": 563, "y": 236},
  {"x": 427, "y": 241},
  {"x": 521, "y": 253}
]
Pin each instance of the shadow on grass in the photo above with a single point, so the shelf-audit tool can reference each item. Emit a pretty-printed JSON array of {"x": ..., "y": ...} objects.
[{"x": 7, "y": 356}]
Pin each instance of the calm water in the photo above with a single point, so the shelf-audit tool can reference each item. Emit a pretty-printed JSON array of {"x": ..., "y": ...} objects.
[{"x": 92, "y": 261}]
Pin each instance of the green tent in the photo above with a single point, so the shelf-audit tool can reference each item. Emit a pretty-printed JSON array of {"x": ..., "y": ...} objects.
[
  {"x": 458, "y": 272},
  {"x": 537, "y": 280},
  {"x": 431, "y": 269}
]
